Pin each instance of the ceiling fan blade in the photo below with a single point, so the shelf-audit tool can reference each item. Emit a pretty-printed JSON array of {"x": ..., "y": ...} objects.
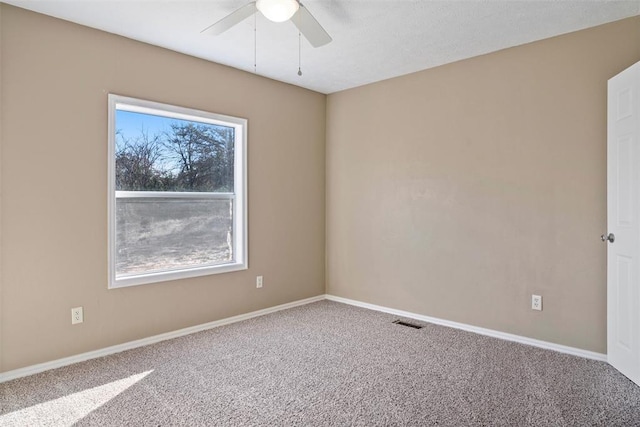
[
  {"x": 310, "y": 28},
  {"x": 232, "y": 19}
]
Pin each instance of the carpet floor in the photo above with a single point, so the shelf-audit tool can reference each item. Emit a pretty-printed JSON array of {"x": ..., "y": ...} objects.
[{"x": 326, "y": 364}]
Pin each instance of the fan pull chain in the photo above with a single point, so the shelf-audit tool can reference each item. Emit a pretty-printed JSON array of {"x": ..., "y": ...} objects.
[
  {"x": 255, "y": 43},
  {"x": 299, "y": 54}
]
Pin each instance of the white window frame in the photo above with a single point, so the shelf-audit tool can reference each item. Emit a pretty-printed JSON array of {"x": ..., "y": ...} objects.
[{"x": 240, "y": 239}]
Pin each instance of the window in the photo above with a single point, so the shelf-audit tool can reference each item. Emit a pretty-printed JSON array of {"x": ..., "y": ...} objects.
[{"x": 177, "y": 192}]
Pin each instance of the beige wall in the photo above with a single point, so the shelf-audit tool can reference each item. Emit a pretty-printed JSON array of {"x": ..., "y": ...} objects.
[
  {"x": 55, "y": 77},
  {"x": 459, "y": 191}
]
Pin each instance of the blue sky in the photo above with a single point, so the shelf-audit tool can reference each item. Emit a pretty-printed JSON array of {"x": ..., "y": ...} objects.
[{"x": 131, "y": 124}]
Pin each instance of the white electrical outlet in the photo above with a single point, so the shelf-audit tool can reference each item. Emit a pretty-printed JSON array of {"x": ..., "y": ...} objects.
[
  {"x": 77, "y": 315},
  {"x": 536, "y": 302},
  {"x": 259, "y": 282}
]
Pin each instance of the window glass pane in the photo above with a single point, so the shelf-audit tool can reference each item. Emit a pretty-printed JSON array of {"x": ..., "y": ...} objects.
[
  {"x": 160, "y": 234},
  {"x": 155, "y": 153}
]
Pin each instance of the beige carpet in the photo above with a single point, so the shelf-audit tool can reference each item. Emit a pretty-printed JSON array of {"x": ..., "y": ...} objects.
[{"x": 327, "y": 364}]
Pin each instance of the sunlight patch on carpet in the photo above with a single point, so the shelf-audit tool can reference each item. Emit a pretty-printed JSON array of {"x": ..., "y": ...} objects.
[{"x": 70, "y": 409}]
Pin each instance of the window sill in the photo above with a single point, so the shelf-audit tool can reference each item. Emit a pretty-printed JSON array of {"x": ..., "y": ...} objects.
[{"x": 163, "y": 276}]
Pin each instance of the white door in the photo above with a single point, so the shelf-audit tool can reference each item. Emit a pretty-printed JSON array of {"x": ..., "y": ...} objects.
[{"x": 623, "y": 222}]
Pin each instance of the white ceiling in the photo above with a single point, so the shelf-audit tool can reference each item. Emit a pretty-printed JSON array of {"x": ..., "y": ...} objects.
[{"x": 373, "y": 40}]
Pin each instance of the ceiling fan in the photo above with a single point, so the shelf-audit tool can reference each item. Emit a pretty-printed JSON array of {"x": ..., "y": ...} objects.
[{"x": 276, "y": 11}]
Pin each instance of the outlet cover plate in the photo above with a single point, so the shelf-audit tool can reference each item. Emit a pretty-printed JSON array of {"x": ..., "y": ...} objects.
[
  {"x": 536, "y": 302},
  {"x": 77, "y": 315}
]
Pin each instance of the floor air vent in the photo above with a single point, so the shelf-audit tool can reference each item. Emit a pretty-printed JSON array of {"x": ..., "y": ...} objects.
[{"x": 410, "y": 325}]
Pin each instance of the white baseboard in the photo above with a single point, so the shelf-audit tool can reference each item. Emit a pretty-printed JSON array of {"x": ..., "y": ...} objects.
[
  {"x": 34, "y": 369},
  {"x": 482, "y": 331}
]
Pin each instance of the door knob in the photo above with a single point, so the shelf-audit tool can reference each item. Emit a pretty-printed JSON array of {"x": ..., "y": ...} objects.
[{"x": 611, "y": 237}]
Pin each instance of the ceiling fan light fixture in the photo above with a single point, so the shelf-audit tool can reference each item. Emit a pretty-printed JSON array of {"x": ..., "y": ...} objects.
[{"x": 278, "y": 10}]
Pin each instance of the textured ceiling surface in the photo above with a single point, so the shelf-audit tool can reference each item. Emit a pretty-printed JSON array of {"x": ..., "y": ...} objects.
[{"x": 373, "y": 40}]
